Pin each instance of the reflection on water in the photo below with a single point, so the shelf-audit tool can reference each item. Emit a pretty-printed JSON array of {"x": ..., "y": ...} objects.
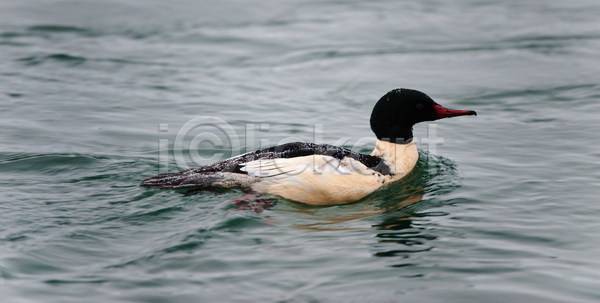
[{"x": 390, "y": 210}]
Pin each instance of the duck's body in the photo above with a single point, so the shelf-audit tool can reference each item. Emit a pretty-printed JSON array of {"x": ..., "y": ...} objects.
[
  {"x": 320, "y": 174},
  {"x": 316, "y": 174},
  {"x": 327, "y": 180}
]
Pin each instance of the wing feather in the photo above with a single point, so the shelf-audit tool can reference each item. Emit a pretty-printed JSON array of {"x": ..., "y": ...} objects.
[{"x": 318, "y": 164}]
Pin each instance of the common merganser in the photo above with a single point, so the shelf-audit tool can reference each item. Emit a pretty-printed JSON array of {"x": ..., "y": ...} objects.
[{"x": 322, "y": 174}]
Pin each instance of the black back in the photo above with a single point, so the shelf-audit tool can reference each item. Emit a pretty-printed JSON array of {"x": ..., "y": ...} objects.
[{"x": 292, "y": 150}]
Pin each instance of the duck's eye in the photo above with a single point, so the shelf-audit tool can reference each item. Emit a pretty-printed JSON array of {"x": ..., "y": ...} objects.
[{"x": 420, "y": 106}]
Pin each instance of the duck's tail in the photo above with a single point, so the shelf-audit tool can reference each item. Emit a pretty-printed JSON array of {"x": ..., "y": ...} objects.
[{"x": 188, "y": 179}]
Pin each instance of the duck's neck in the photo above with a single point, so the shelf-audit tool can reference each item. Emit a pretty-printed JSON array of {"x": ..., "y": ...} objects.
[
  {"x": 396, "y": 134},
  {"x": 400, "y": 158}
]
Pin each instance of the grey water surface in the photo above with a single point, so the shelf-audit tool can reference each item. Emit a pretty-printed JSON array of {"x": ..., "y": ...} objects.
[{"x": 507, "y": 209}]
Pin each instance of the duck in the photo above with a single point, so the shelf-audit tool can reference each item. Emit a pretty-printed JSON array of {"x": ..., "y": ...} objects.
[{"x": 323, "y": 174}]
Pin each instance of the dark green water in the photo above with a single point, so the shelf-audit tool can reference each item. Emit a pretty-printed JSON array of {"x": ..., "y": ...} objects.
[{"x": 506, "y": 210}]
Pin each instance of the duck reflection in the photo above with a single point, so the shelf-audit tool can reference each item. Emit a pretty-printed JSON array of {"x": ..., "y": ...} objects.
[
  {"x": 391, "y": 212},
  {"x": 389, "y": 206}
]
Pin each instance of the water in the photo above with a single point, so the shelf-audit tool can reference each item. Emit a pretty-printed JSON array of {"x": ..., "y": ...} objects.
[{"x": 504, "y": 211}]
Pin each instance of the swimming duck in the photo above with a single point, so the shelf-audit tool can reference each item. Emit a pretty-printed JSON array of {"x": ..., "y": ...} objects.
[{"x": 322, "y": 174}]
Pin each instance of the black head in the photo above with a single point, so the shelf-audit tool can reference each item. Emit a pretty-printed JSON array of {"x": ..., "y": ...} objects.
[{"x": 397, "y": 111}]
